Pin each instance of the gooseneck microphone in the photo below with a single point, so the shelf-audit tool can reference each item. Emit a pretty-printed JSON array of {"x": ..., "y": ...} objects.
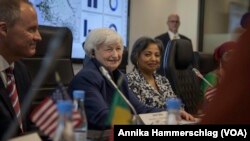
[
  {"x": 197, "y": 73},
  {"x": 108, "y": 77}
]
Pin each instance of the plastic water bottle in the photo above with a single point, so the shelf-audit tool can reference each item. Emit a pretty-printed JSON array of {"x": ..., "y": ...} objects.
[
  {"x": 80, "y": 131},
  {"x": 64, "y": 131},
  {"x": 173, "y": 106}
]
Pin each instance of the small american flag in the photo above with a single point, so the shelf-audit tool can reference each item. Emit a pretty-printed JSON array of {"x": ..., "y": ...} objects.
[
  {"x": 45, "y": 115},
  {"x": 210, "y": 92}
]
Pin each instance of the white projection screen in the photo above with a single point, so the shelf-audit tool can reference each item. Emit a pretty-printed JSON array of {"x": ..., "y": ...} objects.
[{"x": 80, "y": 16}]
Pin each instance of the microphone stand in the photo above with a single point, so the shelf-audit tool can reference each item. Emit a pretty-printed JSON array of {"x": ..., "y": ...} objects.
[
  {"x": 135, "y": 119},
  {"x": 197, "y": 73}
]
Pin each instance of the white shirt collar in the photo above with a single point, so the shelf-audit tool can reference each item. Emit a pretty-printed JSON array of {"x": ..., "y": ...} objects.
[
  {"x": 172, "y": 35},
  {"x": 4, "y": 64}
]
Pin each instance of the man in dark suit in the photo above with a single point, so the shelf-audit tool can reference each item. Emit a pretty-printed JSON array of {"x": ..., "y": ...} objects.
[
  {"x": 18, "y": 37},
  {"x": 173, "y": 24}
]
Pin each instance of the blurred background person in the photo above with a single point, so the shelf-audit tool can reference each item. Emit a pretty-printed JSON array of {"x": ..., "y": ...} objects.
[
  {"x": 222, "y": 56},
  {"x": 173, "y": 23},
  {"x": 104, "y": 47},
  {"x": 245, "y": 20},
  {"x": 232, "y": 101},
  {"x": 151, "y": 88},
  {"x": 18, "y": 37}
]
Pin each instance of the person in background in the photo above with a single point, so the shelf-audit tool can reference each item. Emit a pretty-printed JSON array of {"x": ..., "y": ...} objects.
[
  {"x": 173, "y": 23},
  {"x": 151, "y": 88},
  {"x": 231, "y": 103},
  {"x": 18, "y": 37},
  {"x": 245, "y": 20},
  {"x": 222, "y": 56},
  {"x": 104, "y": 46}
]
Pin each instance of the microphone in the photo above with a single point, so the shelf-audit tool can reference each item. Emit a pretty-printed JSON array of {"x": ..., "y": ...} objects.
[
  {"x": 54, "y": 51},
  {"x": 197, "y": 73},
  {"x": 108, "y": 77}
]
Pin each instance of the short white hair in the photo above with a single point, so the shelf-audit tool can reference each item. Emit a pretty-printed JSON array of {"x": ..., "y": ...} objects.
[{"x": 101, "y": 36}]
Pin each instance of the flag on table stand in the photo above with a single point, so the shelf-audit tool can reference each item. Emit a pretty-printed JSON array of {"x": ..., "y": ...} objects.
[
  {"x": 119, "y": 114},
  {"x": 45, "y": 115}
]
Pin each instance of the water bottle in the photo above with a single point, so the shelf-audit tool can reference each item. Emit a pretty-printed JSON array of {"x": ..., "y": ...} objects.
[
  {"x": 64, "y": 131},
  {"x": 173, "y": 106},
  {"x": 81, "y": 130}
]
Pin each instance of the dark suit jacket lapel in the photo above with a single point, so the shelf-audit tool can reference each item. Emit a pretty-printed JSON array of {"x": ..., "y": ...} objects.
[
  {"x": 21, "y": 79},
  {"x": 18, "y": 87},
  {"x": 111, "y": 87},
  {"x": 97, "y": 65}
]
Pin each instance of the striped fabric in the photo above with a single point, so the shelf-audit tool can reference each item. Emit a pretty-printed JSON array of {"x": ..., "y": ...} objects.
[
  {"x": 210, "y": 92},
  {"x": 45, "y": 115},
  {"x": 11, "y": 87}
]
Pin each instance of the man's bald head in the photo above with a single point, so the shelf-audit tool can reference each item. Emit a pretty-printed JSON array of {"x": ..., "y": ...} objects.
[{"x": 173, "y": 23}]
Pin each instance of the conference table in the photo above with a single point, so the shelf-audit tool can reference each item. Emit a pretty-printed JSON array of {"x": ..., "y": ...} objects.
[
  {"x": 99, "y": 135},
  {"x": 158, "y": 118}
]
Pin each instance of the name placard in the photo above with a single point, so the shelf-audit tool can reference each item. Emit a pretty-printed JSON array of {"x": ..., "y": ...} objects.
[{"x": 158, "y": 118}]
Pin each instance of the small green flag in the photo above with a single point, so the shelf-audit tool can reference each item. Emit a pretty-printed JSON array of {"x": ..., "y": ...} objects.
[{"x": 120, "y": 112}]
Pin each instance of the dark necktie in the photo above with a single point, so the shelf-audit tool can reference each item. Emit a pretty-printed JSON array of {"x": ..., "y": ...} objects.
[{"x": 12, "y": 91}]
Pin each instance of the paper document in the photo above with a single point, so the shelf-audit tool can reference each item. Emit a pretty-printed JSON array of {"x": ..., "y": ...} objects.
[
  {"x": 28, "y": 137},
  {"x": 159, "y": 118}
]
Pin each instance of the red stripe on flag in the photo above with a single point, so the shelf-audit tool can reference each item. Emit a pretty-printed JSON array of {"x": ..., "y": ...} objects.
[
  {"x": 45, "y": 117},
  {"x": 210, "y": 92}
]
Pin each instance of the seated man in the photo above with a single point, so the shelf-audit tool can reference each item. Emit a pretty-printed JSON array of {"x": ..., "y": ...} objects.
[{"x": 18, "y": 37}]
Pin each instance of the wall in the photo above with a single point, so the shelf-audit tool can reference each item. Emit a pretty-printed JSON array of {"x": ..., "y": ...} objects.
[
  {"x": 220, "y": 20},
  {"x": 148, "y": 18}
]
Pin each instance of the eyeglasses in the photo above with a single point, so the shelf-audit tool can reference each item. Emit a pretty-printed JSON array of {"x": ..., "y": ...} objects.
[{"x": 174, "y": 21}]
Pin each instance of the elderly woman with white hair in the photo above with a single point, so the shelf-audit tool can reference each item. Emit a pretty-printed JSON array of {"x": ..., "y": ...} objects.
[{"x": 104, "y": 47}]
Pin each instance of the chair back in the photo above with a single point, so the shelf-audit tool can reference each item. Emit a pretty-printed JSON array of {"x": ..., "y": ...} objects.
[
  {"x": 179, "y": 61},
  {"x": 206, "y": 62},
  {"x": 63, "y": 65}
]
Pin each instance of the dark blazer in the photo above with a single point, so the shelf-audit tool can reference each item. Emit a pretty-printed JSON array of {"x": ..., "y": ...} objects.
[
  {"x": 7, "y": 113},
  {"x": 165, "y": 38},
  {"x": 99, "y": 92}
]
